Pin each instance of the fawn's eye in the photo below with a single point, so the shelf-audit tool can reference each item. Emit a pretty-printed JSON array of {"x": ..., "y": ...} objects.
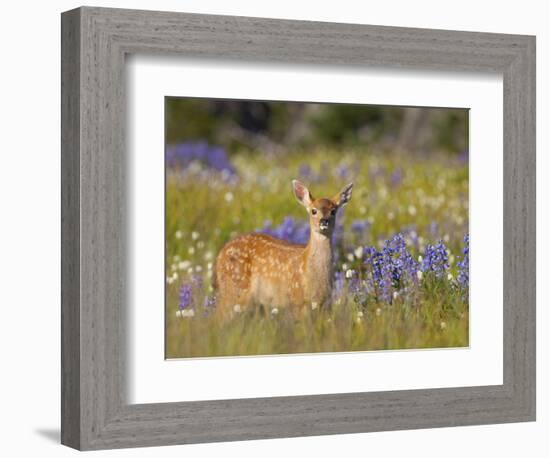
[
  {"x": 313, "y": 211},
  {"x": 333, "y": 212}
]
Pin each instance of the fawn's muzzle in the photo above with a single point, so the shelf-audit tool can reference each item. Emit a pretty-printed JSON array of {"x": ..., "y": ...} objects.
[{"x": 324, "y": 224}]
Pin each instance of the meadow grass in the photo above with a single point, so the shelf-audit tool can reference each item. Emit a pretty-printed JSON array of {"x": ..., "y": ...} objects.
[{"x": 423, "y": 198}]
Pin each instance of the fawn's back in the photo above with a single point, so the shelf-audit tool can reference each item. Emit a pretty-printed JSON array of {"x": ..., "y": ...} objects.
[{"x": 256, "y": 269}]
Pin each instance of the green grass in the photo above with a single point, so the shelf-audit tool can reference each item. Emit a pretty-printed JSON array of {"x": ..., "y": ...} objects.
[{"x": 204, "y": 213}]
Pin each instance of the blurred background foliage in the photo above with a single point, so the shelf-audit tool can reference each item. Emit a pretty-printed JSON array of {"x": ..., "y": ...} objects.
[{"x": 281, "y": 126}]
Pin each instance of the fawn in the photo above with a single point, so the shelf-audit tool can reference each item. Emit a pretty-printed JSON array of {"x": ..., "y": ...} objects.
[{"x": 257, "y": 269}]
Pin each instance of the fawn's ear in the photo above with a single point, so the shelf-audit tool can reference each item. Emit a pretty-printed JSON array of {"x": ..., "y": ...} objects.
[
  {"x": 344, "y": 196},
  {"x": 301, "y": 193}
]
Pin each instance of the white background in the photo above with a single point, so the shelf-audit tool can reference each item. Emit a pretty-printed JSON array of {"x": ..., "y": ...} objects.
[
  {"x": 155, "y": 380},
  {"x": 29, "y": 229}
]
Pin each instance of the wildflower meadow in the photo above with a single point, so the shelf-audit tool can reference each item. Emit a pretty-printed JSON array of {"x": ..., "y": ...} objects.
[{"x": 401, "y": 246}]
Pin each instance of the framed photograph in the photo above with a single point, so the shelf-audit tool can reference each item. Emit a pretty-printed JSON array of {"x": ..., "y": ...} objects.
[
  {"x": 248, "y": 272},
  {"x": 277, "y": 228}
]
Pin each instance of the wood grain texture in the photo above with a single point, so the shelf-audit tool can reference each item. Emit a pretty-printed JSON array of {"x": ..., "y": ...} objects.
[
  {"x": 95, "y": 411},
  {"x": 70, "y": 229}
]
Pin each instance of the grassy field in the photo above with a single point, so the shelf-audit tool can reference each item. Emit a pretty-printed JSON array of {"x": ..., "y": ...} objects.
[{"x": 404, "y": 209}]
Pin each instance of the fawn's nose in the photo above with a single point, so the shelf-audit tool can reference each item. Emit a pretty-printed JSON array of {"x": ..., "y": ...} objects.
[{"x": 324, "y": 222}]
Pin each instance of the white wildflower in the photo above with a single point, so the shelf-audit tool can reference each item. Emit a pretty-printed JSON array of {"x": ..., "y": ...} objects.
[
  {"x": 395, "y": 295},
  {"x": 344, "y": 266},
  {"x": 195, "y": 167},
  {"x": 198, "y": 268},
  {"x": 208, "y": 255},
  {"x": 349, "y": 257},
  {"x": 228, "y": 196},
  {"x": 179, "y": 234},
  {"x": 442, "y": 325},
  {"x": 349, "y": 273},
  {"x": 237, "y": 308},
  {"x": 449, "y": 276},
  {"x": 185, "y": 313},
  {"x": 191, "y": 250},
  {"x": 184, "y": 265},
  {"x": 419, "y": 275},
  {"x": 412, "y": 210},
  {"x": 419, "y": 258},
  {"x": 209, "y": 266},
  {"x": 360, "y": 314},
  {"x": 378, "y": 311},
  {"x": 358, "y": 252},
  {"x": 274, "y": 311},
  {"x": 314, "y": 305},
  {"x": 195, "y": 235},
  {"x": 200, "y": 244}
]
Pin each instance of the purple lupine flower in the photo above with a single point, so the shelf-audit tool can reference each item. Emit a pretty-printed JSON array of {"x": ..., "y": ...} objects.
[
  {"x": 208, "y": 305},
  {"x": 464, "y": 264},
  {"x": 338, "y": 233},
  {"x": 338, "y": 284},
  {"x": 404, "y": 266},
  {"x": 307, "y": 173},
  {"x": 213, "y": 157},
  {"x": 354, "y": 286},
  {"x": 209, "y": 302},
  {"x": 395, "y": 255},
  {"x": 342, "y": 171},
  {"x": 373, "y": 261},
  {"x": 434, "y": 229},
  {"x": 436, "y": 259},
  {"x": 185, "y": 296},
  {"x": 390, "y": 269},
  {"x": 289, "y": 230},
  {"x": 359, "y": 226},
  {"x": 385, "y": 284},
  {"x": 396, "y": 177},
  {"x": 304, "y": 171}
]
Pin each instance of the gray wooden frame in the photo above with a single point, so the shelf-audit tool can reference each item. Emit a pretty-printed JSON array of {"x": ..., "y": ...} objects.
[{"x": 95, "y": 41}]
